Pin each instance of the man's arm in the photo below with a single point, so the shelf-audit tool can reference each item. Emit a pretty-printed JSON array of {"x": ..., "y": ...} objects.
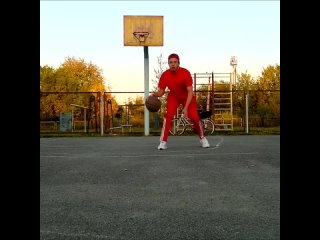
[
  {"x": 159, "y": 93},
  {"x": 189, "y": 98}
]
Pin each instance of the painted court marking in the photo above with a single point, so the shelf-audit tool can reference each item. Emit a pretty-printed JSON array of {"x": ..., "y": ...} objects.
[
  {"x": 161, "y": 153},
  {"x": 155, "y": 155},
  {"x": 91, "y": 236}
]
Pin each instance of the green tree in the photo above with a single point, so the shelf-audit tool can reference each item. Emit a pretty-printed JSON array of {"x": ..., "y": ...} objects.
[
  {"x": 270, "y": 78},
  {"x": 47, "y": 78},
  {"x": 268, "y": 96},
  {"x": 136, "y": 111},
  {"x": 264, "y": 94},
  {"x": 74, "y": 75},
  {"x": 245, "y": 83},
  {"x": 77, "y": 75}
]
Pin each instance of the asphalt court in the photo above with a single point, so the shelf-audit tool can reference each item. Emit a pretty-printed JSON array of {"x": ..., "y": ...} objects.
[{"x": 124, "y": 188}]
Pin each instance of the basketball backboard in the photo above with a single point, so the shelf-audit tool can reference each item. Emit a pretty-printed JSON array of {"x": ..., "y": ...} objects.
[{"x": 143, "y": 30}]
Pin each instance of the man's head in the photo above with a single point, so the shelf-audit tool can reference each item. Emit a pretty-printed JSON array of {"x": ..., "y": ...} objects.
[
  {"x": 174, "y": 55},
  {"x": 174, "y": 62}
]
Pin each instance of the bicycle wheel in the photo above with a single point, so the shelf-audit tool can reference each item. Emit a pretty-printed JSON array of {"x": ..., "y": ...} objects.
[
  {"x": 177, "y": 126},
  {"x": 208, "y": 126}
]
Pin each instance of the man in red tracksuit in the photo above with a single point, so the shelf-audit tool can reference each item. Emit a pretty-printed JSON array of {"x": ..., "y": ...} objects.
[{"x": 179, "y": 82}]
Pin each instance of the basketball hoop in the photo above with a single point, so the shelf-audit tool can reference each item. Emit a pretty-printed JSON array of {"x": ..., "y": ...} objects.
[{"x": 141, "y": 36}]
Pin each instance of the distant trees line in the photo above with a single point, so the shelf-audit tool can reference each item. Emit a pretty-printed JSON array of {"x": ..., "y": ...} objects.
[{"x": 75, "y": 75}]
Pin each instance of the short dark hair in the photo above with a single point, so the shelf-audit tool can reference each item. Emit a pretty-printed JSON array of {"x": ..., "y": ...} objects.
[{"x": 174, "y": 55}]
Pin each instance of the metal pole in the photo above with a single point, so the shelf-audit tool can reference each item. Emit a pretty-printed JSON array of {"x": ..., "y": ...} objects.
[
  {"x": 212, "y": 96},
  {"x": 146, "y": 89},
  {"x": 195, "y": 83},
  {"x": 231, "y": 104},
  {"x": 111, "y": 125},
  {"x": 208, "y": 96},
  {"x": 101, "y": 114},
  {"x": 127, "y": 110},
  {"x": 85, "y": 120},
  {"x": 72, "y": 121},
  {"x": 247, "y": 112}
]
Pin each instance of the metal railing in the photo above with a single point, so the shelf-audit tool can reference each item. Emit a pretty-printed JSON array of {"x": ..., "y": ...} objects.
[{"x": 99, "y": 112}]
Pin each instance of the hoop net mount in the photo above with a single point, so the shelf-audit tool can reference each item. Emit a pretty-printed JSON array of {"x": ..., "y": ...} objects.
[{"x": 141, "y": 36}]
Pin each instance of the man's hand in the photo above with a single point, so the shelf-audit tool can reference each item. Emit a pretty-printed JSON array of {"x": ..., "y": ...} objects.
[{"x": 185, "y": 112}]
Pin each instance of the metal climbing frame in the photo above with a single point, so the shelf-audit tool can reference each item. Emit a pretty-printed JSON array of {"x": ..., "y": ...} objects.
[{"x": 216, "y": 88}]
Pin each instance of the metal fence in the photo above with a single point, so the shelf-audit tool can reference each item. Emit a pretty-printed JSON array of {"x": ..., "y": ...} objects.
[{"x": 95, "y": 112}]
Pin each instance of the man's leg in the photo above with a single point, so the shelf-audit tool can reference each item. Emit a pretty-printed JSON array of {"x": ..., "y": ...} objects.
[
  {"x": 194, "y": 117},
  {"x": 172, "y": 105}
]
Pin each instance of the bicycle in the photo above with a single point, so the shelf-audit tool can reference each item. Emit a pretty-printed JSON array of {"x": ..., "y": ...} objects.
[{"x": 180, "y": 124}]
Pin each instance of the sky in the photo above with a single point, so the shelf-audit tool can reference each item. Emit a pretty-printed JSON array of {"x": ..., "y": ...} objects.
[{"x": 205, "y": 34}]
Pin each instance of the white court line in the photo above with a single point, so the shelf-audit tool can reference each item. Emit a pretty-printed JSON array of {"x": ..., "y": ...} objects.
[
  {"x": 58, "y": 156},
  {"x": 176, "y": 155},
  {"x": 166, "y": 154},
  {"x": 91, "y": 236},
  {"x": 211, "y": 148}
]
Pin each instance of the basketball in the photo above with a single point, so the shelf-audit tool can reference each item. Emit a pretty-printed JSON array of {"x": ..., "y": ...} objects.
[{"x": 152, "y": 103}]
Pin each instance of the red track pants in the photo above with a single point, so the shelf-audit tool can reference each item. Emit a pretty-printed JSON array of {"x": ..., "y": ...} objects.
[{"x": 172, "y": 105}]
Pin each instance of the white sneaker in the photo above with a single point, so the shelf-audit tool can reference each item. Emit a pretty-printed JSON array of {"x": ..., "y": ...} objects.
[
  {"x": 162, "y": 145},
  {"x": 204, "y": 142}
]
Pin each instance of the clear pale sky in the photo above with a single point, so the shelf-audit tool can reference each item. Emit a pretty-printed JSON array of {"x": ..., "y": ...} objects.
[{"x": 205, "y": 34}]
